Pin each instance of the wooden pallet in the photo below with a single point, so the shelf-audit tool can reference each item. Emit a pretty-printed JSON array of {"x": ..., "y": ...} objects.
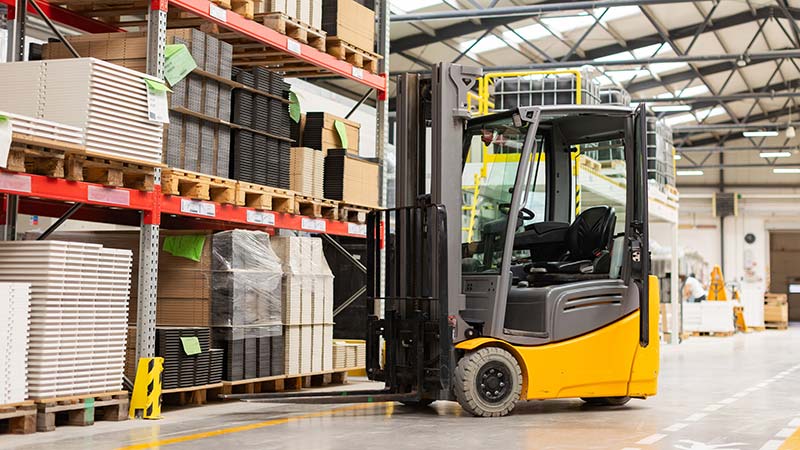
[
  {"x": 265, "y": 197},
  {"x": 39, "y": 156},
  {"x": 316, "y": 207},
  {"x": 191, "y": 396},
  {"x": 294, "y": 29},
  {"x": 279, "y": 383},
  {"x": 713, "y": 333},
  {"x": 352, "y": 54},
  {"x": 244, "y": 8},
  {"x": 18, "y": 418},
  {"x": 81, "y": 410},
  {"x": 777, "y": 325},
  {"x": 756, "y": 328},
  {"x": 198, "y": 186},
  {"x": 590, "y": 163},
  {"x": 353, "y": 213}
]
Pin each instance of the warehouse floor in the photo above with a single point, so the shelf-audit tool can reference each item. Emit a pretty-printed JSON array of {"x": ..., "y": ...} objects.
[{"x": 715, "y": 393}]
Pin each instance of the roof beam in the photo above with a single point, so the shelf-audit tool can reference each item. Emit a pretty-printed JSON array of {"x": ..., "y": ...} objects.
[{"x": 466, "y": 27}]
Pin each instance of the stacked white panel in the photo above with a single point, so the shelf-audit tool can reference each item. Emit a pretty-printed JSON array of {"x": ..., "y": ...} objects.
[
  {"x": 44, "y": 128},
  {"x": 79, "y": 309},
  {"x": 307, "y": 303},
  {"x": 107, "y": 102},
  {"x": 14, "y": 328}
]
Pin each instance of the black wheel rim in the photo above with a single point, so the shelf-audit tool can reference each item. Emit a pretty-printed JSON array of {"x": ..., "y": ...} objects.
[{"x": 493, "y": 382}]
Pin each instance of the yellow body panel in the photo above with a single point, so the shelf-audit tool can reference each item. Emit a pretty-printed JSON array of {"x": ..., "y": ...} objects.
[{"x": 605, "y": 362}]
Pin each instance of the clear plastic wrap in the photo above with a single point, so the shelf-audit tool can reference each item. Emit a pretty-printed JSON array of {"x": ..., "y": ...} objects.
[{"x": 246, "y": 280}]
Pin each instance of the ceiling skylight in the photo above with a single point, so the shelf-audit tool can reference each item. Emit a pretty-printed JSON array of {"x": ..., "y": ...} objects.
[{"x": 406, "y": 6}]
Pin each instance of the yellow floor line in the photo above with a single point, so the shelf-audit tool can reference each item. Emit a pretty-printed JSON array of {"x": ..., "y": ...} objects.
[
  {"x": 252, "y": 426},
  {"x": 792, "y": 442}
]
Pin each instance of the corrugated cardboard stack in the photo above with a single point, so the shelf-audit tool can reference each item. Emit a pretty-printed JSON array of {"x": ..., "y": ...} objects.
[
  {"x": 309, "y": 12},
  {"x": 319, "y": 132},
  {"x": 306, "y": 171},
  {"x": 14, "y": 328},
  {"x": 307, "y": 304},
  {"x": 109, "y": 103},
  {"x": 190, "y": 142},
  {"x": 261, "y": 152},
  {"x": 350, "y": 22},
  {"x": 351, "y": 179},
  {"x": 246, "y": 306},
  {"x": 79, "y": 304}
]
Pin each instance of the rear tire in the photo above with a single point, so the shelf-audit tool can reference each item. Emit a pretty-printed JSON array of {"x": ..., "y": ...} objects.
[
  {"x": 606, "y": 401},
  {"x": 488, "y": 382}
]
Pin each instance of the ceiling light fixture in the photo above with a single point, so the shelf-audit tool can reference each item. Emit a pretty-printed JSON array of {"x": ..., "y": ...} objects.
[
  {"x": 671, "y": 108},
  {"x": 775, "y": 154},
  {"x": 677, "y": 157},
  {"x": 786, "y": 170},
  {"x": 689, "y": 173},
  {"x": 760, "y": 133}
]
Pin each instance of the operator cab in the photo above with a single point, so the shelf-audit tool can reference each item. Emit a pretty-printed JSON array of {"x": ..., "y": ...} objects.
[{"x": 566, "y": 259}]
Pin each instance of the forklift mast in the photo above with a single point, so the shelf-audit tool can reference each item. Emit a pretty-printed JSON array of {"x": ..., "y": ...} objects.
[{"x": 422, "y": 238}]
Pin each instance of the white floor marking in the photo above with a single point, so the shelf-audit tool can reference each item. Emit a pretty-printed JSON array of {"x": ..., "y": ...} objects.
[
  {"x": 652, "y": 439},
  {"x": 676, "y": 427},
  {"x": 686, "y": 444},
  {"x": 761, "y": 385},
  {"x": 728, "y": 400},
  {"x": 740, "y": 394},
  {"x": 752, "y": 389},
  {"x": 695, "y": 417},
  {"x": 631, "y": 448},
  {"x": 784, "y": 433},
  {"x": 794, "y": 423},
  {"x": 772, "y": 444},
  {"x": 712, "y": 407}
]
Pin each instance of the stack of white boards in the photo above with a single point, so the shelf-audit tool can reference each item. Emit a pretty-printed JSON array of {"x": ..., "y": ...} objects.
[
  {"x": 708, "y": 317},
  {"x": 79, "y": 314},
  {"x": 15, "y": 307},
  {"x": 107, "y": 102},
  {"x": 307, "y": 298},
  {"x": 46, "y": 129}
]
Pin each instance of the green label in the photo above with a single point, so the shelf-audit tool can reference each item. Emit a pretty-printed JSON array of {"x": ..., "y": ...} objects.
[
  {"x": 342, "y": 131},
  {"x": 191, "y": 345},
  {"x": 3, "y": 118},
  {"x": 178, "y": 63},
  {"x": 294, "y": 107},
  {"x": 156, "y": 86}
]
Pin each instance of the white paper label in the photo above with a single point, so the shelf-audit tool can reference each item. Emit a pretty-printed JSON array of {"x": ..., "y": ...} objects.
[
  {"x": 260, "y": 217},
  {"x": 358, "y": 73},
  {"x": 198, "y": 207},
  {"x": 357, "y": 228},
  {"x": 109, "y": 195},
  {"x": 314, "y": 224},
  {"x": 293, "y": 46},
  {"x": 217, "y": 12},
  {"x": 5, "y": 141},
  {"x": 18, "y": 183},
  {"x": 157, "y": 106}
]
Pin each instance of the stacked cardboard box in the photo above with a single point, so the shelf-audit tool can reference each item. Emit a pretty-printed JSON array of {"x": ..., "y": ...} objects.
[
  {"x": 351, "y": 179},
  {"x": 309, "y": 12},
  {"x": 246, "y": 305},
  {"x": 319, "y": 132},
  {"x": 350, "y": 22},
  {"x": 776, "y": 309},
  {"x": 15, "y": 303},
  {"x": 307, "y": 304},
  {"x": 349, "y": 354},
  {"x": 306, "y": 171},
  {"x": 190, "y": 142}
]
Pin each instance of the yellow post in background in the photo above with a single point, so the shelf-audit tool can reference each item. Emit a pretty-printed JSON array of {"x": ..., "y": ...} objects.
[{"x": 146, "y": 398}]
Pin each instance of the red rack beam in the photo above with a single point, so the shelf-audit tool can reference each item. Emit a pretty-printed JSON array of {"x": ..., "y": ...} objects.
[
  {"x": 67, "y": 17},
  {"x": 268, "y": 36}
]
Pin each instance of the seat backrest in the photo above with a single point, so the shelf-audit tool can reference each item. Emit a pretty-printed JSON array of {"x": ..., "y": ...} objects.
[{"x": 591, "y": 232}]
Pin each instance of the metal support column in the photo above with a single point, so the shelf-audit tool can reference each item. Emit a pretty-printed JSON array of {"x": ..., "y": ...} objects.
[
  {"x": 382, "y": 111},
  {"x": 676, "y": 325},
  {"x": 149, "y": 231}
]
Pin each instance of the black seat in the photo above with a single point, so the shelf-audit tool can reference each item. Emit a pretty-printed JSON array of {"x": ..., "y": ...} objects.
[{"x": 587, "y": 241}]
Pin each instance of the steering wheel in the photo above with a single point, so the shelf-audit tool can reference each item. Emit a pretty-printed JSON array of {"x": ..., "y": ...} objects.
[{"x": 524, "y": 213}]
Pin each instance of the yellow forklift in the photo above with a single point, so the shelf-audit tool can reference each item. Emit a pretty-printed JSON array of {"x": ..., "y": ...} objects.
[{"x": 533, "y": 301}]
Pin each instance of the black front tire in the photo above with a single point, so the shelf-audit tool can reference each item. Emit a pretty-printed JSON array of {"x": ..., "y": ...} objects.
[
  {"x": 488, "y": 382},
  {"x": 606, "y": 401}
]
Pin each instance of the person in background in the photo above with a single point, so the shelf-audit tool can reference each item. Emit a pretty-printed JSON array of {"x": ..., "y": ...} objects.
[{"x": 693, "y": 290}]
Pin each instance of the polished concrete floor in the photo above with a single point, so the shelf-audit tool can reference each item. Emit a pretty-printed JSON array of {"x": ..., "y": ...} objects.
[{"x": 741, "y": 392}]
